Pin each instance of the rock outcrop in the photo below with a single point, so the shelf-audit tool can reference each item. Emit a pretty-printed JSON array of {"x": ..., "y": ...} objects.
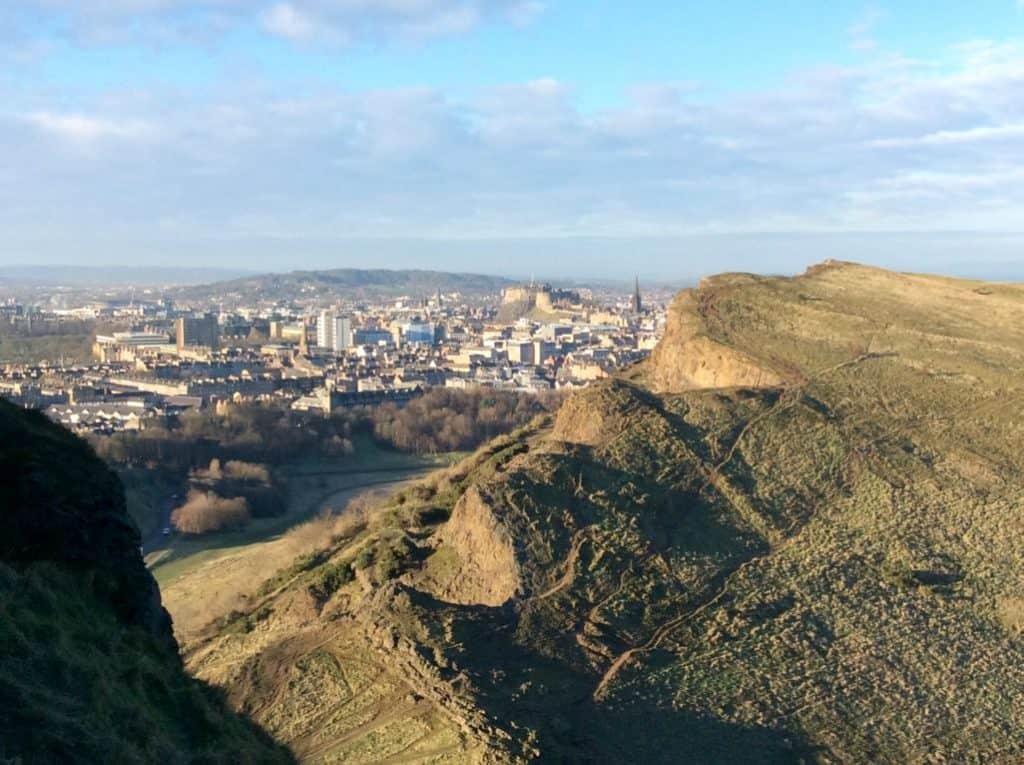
[
  {"x": 59, "y": 503},
  {"x": 489, "y": 573},
  {"x": 689, "y": 359}
]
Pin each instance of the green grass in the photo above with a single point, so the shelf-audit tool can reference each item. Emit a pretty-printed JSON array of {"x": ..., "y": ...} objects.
[
  {"x": 312, "y": 488},
  {"x": 369, "y": 455},
  {"x": 78, "y": 687}
]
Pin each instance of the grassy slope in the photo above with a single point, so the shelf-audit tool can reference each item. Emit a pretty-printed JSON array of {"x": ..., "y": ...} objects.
[
  {"x": 75, "y": 686},
  {"x": 829, "y": 570},
  {"x": 88, "y": 669},
  {"x": 209, "y": 584}
]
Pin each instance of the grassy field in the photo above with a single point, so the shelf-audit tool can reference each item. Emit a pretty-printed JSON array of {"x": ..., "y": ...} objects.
[
  {"x": 313, "y": 486},
  {"x": 205, "y": 577}
]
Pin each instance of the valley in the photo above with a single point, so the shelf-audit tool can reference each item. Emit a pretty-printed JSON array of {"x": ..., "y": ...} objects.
[
  {"x": 511, "y": 382},
  {"x": 205, "y": 578}
]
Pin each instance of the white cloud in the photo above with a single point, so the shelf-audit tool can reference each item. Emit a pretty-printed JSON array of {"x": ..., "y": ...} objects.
[
  {"x": 933, "y": 186},
  {"x": 862, "y": 32},
  {"x": 284, "y": 20},
  {"x": 84, "y": 129},
  {"x": 949, "y": 137},
  {"x": 330, "y": 21},
  {"x": 889, "y": 144}
]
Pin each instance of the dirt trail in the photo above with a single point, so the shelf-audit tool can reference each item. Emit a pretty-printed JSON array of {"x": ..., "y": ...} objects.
[
  {"x": 432, "y": 754},
  {"x": 790, "y": 397},
  {"x": 715, "y": 591},
  {"x": 570, "y": 566},
  {"x": 391, "y": 709},
  {"x": 720, "y": 584}
]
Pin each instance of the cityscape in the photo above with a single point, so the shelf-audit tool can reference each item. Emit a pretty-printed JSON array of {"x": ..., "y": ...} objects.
[{"x": 157, "y": 357}]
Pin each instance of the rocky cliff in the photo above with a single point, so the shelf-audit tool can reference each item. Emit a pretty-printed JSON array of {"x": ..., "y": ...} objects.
[
  {"x": 89, "y": 669},
  {"x": 691, "y": 357},
  {"x": 60, "y": 505}
]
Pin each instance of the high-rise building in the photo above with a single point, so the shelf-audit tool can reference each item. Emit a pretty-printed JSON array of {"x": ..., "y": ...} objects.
[
  {"x": 342, "y": 333},
  {"x": 325, "y": 330},
  {"x": 201, "y": 332},
  {"x": 542, "y": 351},
  {"x": 638, "y": 306},
  {"x": 304, "y": 340},
  {"x": 520, "y": 352},
  {"x": 370, "y": 336},
  {"x": 334, "y": 332}
]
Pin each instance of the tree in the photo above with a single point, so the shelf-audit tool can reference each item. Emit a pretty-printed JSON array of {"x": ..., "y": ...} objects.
[{"x": 205, "y": 512}]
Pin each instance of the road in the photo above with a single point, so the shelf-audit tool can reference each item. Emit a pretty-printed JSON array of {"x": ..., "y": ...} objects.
[{"x": 156, "y": 539}]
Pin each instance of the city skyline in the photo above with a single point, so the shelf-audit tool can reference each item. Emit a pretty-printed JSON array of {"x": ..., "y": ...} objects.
[{"x": 527, "y": 137}]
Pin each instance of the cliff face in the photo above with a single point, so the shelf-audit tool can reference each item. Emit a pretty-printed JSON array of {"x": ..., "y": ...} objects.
[
  {"x": 89, "y": 669},
  {"x": 689, "y": 359},
  {"x": 60, "y": 504},
  {"x": 480, "y": 539}
]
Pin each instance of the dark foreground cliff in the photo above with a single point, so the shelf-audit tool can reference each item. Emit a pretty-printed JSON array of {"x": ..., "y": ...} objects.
[{"x": 89, "y": 669}]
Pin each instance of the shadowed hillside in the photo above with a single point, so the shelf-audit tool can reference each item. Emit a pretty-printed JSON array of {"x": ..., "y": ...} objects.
[
  {"x": 89, "y": 670},
  {"x": 793, "y": 535}
]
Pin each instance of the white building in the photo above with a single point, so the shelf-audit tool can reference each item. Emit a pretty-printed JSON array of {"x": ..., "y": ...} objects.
[{"x": 334, "y": 332}]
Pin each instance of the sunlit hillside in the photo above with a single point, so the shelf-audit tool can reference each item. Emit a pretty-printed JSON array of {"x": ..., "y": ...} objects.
[{"x": 793, "y": 534}]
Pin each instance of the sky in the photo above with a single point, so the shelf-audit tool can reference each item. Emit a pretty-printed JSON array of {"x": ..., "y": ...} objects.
[{"x": 562, "y": 138}]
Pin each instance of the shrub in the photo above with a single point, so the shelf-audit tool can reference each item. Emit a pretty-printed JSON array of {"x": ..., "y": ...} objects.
[
  {"x": 330, "y": 579},
  {"x": 363, "y": 559},
  {"x": 205, "y": 512},
  {"x": 247, "y": 471},
  {"x": 388, "y": 564},
  {"x": 389, "y": 559}
]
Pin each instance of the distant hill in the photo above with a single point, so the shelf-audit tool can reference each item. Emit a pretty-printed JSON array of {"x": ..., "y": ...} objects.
[
  {"x": 793, "y": 535},
  {"x": 89, "y": 669},
  {"x": 345, "y": 283},
  {"x": 114, "y": 276}
]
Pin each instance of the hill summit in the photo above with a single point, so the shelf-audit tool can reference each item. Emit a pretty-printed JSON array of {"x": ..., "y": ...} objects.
[{"x": 793, "y": 535}]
